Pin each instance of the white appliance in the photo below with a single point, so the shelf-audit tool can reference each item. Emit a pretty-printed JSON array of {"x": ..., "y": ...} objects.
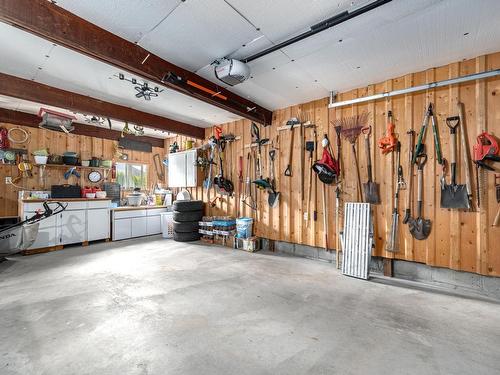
[{"x": 231, "y": 71}]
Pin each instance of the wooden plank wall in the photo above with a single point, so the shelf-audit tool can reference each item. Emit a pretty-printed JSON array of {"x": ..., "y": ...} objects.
[
  {"x": 59, "y": 143},
  {"x": 459, "y": 240}
]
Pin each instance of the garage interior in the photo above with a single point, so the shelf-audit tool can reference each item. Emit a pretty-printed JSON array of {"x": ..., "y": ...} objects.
[{"x": 225, "y": 186}]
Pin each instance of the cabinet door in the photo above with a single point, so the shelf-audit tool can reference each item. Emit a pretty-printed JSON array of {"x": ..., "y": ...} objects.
[
  {"x": 122, "y": 229},
  {"x": 177, "y": 170},
  {"x": 47, "y": 233},
  {"x": 139, "y": 226},
  {"x": 153, "y": 224},
  {"x": 73, "y": 227},
  {"x": 191, "y": 168},
  {"x": 98, "y": 224}
]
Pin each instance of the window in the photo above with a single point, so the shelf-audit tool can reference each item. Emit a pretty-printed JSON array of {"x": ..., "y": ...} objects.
[{"x": 131, "y": 176}]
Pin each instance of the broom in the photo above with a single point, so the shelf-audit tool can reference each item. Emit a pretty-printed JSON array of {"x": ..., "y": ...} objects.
[{"x": 350, "y": 130}]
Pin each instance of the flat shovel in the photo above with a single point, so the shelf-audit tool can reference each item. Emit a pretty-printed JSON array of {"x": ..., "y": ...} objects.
[
  {"x": 420, "y": 228},
  {"x": 370, "y": 188},
  {"x": 453, "y": 195}
]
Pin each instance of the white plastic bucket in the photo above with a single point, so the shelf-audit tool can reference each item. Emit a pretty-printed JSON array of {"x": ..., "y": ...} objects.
[{"x": 244, "y": 227}]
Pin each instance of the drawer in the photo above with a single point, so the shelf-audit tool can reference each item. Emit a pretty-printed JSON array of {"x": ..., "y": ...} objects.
[
  {"x": 33, "y": 207},
  {"x": 76, "y": 206},
  {"x": 128, "y": 214},
  {"x": 156, "y": 211},
  {"x": 98, "y": 204}
]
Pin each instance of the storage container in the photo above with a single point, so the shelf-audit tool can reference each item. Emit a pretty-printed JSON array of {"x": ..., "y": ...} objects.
[
  {"x": 244, "y": 226},
  {"x": 65, "y": 191},
  {"x": 167, "y": 224}
]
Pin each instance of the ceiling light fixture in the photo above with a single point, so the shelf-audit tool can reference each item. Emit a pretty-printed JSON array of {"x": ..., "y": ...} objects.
[
  {"x": 143, "y": 89},
  {"x": 94, "y": 120}
]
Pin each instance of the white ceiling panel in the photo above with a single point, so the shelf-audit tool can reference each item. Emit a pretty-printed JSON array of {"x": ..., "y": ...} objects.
[
  {"x": 416, "y": 42},
  {"x": 362, "y": 27},
  {"x": 281, "y": 19},
  {"x": 198, "y": 32},
  {"x": 72, "y": 71},
  {"x": 398, "y": 38},
  {"x": 130, "y": 19},
  {"x": 33, "y": 53}
]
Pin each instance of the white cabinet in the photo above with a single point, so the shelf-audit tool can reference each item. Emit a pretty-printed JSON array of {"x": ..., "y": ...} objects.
[
  {"x": 122, "y": 229},
  {"x": 191, "y": 168},
  {"x": 177, "y": 170},
  {"x": 130, "y": 223},
  {"x": 182, "y": 169},
  {"x": 153, "y": 225},
  {"x": 154, "y": 220},
  {"x": 98, "y": 224},
  {"x": 81, "y": 221},
  {"x": 139, "y": 227},
  {"x": 73, "y": 227},
  {"x": 47, "y": 233}
]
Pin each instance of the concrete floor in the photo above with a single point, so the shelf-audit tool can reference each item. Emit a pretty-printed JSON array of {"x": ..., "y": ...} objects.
[{"x": 153, "y": 306}]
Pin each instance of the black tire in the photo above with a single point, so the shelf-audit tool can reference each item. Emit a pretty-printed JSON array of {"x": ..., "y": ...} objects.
[
  {"x": 186, "y": 237},
  {"x": 185, "y": 206},
  {"x": 188, "y": 216},
  {"x": 186, "y": 227}
]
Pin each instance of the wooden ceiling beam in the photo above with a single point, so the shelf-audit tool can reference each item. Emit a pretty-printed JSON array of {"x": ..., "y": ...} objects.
[
  {"x": 51, "y": 22},
  {"x": 39, "y": 93},
  {"x": 9, "y": 116}
]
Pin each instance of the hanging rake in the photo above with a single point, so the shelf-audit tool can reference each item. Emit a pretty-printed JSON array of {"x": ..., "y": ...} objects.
[{"x": 351, "y": 129}]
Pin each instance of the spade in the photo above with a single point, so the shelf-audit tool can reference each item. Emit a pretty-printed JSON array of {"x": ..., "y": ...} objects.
[
  {"x": 453, "y": 195},
  {"x": 420, "y": 228}
]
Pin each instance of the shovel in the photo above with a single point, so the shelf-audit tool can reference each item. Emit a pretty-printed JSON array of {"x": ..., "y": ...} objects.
[
  {"x": 420, "y": 228},
  {"x": 370, "y": 188},
  {"x": 274, "y": 196},
  {"x": 453, "y": 195}
]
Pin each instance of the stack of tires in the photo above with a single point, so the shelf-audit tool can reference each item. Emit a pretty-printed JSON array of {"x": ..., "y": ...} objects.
[{"x": 187, "y": 214}]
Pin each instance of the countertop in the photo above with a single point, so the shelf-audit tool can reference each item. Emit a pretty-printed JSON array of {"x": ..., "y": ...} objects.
[
  {"x": 132, "y": 208},
  {"x": 63, "y": 200}
]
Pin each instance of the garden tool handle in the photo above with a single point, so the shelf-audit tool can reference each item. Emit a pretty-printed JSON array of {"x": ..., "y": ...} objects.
[
  {"x": 437, "y": 144},
  {"x": 411, "y": 135},
  {"x": 466, "y": 158},
  {"x": 452, "y": 123},
  {"x": 356, "y": 164},
  {"x": 288, "y": 170},
  {"x": 421, "y": 160},
  {"x": 420, "y": 175},
  {"x": 367, "y": 131},
  {"x": 453, "y": 161}
]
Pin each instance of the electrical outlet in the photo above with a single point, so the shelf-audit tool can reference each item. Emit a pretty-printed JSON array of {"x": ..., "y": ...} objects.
[{"x": 8, "y": 180}]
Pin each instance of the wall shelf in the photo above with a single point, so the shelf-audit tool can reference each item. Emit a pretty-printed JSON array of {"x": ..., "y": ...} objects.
[{"x": 65, "y": 166}]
